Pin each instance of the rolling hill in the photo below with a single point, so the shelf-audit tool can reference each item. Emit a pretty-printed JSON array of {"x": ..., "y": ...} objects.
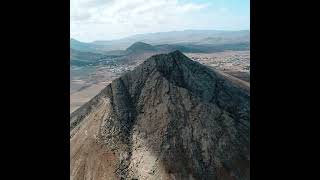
[{"x": 184, "y": 38}]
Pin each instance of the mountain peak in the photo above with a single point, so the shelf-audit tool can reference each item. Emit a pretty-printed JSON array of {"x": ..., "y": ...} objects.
[
  {"x": 140, "y": 43},
  {"x": 73, "y": 40},
  {"x": 140, "y": 46},
  {"x": 176, "y": 53}
]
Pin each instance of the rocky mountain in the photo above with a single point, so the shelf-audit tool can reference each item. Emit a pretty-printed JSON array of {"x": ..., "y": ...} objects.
[
  {"x": 81, "y": 58},
  {"x": 88, "y": 56},
  {"x": 169, "y": 118},
  {"x": 176, "y": 38},
  {"x": 140, "y": 47},
  {"x": 198, "y": 37},
  {"x": 87, "y": 47}
]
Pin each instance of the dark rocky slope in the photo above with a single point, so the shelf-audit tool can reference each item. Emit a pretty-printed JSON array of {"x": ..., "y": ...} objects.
[{"x": 170, "y": 118}]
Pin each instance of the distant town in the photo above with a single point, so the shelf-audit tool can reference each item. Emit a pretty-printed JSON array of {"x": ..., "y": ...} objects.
[{"x": 225, "y": 61}]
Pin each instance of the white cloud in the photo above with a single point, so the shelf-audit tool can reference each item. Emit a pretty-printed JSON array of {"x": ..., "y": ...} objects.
[{"x": 112, "y": 19}]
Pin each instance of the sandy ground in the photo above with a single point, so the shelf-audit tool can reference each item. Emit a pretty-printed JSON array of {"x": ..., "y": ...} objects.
[
  {"x": 89, "y": 158},
  {"x": 85, "y": 86},
  {"x": 82, "y": 90},
  {"x": 234, "y": 63},
  {"x": 78, "y": 98}
]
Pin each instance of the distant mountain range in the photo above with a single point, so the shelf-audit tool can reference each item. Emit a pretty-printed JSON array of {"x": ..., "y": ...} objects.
[
  {"x": 140, "y": 47},
  {"x": 140, "y": 50},
  {"x": 178, "y": 39},
  {"x": 80, "y": 55},
  {"x": 87, "y": 47}
]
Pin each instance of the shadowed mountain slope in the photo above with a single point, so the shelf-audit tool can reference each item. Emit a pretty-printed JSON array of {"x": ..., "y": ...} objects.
[{"x": 169, "y": 118}]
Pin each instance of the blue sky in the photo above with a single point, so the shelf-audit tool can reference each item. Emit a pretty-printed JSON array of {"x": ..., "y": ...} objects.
[{"x": 113, "y": 19}]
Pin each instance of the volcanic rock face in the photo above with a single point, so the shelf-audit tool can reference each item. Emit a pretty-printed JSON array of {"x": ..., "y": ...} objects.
[{"x": 170, "y": 118}]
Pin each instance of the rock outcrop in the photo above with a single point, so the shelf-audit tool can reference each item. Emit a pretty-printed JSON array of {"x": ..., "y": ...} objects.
[{"x": 170, "y": 118}]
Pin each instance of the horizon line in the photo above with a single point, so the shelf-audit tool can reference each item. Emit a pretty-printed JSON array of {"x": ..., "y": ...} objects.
[{"x": 158, "y": 32}]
